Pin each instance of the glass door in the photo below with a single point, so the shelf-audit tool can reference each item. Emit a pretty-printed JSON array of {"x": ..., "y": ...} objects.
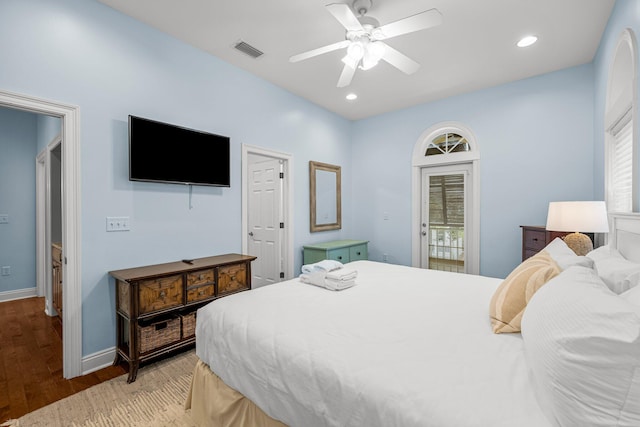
[{"x": 445, "y": 194}]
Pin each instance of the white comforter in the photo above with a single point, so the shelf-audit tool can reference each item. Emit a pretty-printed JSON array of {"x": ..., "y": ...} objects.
[{"x": 404, "y": 347}]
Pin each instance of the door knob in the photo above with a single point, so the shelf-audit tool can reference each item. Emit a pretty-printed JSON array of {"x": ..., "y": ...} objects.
[{"x": 424, "y": 233}]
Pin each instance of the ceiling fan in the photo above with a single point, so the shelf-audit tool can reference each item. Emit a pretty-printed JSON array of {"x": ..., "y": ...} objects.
[{"x": 364, "y": 39}]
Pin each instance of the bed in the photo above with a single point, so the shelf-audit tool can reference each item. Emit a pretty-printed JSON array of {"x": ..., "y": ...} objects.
[{"x": 404, "y": 347}]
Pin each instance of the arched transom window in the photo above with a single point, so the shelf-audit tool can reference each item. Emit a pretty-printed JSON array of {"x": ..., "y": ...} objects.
[{"x": 446, "y": 143}]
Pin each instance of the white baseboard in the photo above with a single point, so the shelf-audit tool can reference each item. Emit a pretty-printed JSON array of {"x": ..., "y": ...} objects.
[
  {"x": 18, "y": 294},
  {"x": 97, "y": 361}
]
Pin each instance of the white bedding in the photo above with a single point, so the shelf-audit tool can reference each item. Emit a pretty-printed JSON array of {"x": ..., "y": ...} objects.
[{"x": 404, "y": 347}]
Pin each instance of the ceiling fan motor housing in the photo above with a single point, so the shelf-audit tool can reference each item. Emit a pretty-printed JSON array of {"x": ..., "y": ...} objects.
[{"x": 361, "y": 7}]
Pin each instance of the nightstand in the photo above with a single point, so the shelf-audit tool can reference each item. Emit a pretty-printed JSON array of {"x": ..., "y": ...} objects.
[{"x": 535, "y": 238}]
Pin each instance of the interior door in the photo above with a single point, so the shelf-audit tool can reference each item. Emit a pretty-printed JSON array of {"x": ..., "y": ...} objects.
[
  {"x": 265, "y": 209},
  {"x": 446, "y": 198}
]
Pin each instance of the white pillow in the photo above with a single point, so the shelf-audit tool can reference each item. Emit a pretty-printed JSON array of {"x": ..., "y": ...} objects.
[
  {"x": 617, "y": 272},
  {"x": 582, "y": 345},
  {"x": 604, "y": 252},
  {"x": 633, "y": 295},
  {"x": 564, "y": 256}
]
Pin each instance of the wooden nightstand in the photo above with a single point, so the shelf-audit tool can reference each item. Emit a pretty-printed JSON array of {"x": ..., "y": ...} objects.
[{"x": 535, "y": 238}]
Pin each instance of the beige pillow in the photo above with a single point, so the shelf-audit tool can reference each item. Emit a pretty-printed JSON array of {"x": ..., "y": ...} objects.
[{"x": 511, "y": 298}]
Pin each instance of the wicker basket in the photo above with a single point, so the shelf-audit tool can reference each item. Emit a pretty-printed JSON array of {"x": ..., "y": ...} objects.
[
  {"x": 158, "y": 334},
  {"x": 188, "y": 324}
]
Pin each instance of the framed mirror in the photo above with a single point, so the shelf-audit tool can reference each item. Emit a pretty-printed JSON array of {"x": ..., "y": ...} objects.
[{"x": 325, "y": 197}]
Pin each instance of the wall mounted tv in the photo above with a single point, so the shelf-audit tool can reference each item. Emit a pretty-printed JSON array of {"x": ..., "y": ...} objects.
[{"x": 162, "y": 152}]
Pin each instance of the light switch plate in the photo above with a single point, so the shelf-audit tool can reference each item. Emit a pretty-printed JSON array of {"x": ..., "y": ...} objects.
[{"x": 118, "y": 223}]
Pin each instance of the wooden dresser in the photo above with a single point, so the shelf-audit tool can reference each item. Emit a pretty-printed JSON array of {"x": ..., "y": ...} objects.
[
  {"x": 338, "y": 250},
  {"x": 535, "y": 238},
  {"x": 56, "y": 278},
  {"x": 156, "y": 305}
]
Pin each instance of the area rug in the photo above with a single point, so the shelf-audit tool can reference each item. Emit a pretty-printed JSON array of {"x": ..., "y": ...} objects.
[{"x": 156, "y": 398}]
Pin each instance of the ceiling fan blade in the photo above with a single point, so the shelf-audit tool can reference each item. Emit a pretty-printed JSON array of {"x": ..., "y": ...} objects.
[
  {"x": 319, "y": 51},
  {"x": 346, "y": 76},
  {"x": 342, "y": 12},
  {"x": 399, "y": 60},
  {"x": 417, "y": 22}
]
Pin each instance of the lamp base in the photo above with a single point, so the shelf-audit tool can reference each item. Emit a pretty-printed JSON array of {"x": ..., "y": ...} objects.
[{"x": 580, "y": 243}]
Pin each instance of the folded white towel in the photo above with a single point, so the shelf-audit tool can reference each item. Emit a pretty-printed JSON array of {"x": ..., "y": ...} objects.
[
  {"x": 324, "y": 266},
  {"x": 319, "y": 279},
  {"x": 343, "y": 274}
]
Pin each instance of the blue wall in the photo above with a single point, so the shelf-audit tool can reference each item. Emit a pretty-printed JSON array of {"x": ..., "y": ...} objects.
[
  {"x": 18, "y": 139},
  {"x": 535, "y": 139}
]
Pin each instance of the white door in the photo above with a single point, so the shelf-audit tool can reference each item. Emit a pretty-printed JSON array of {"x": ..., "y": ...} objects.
[
  {"x": 265, "y": 215},
  {"x": 446, "y": 199}
]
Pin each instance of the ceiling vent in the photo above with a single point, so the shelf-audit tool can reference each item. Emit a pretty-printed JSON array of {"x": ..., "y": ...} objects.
[{"x": 248, "y": 49}]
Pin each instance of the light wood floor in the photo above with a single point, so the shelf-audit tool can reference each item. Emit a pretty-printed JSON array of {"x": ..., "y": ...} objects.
[{"x": 31, "y": 360}]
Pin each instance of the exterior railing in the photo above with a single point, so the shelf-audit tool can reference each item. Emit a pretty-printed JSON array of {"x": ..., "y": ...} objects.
[{"x": 446, "y": 248}]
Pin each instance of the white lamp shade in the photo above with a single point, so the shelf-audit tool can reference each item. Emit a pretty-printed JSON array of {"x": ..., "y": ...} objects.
[{"x": 587, "y": 217}]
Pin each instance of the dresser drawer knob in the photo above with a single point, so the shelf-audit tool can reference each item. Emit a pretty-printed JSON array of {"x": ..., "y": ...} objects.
[
  {"x": 358, "y": 253},
  {"x": 200, "y": 277},
  {"x": 201, "y": 292},
  {"x": 163, "y": 294},
  {"x": 339, "y": 257}
]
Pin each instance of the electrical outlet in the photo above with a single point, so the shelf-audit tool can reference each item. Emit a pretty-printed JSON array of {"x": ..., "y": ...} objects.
[
  {"x": 4, "y": 218},
  {"x": 6, "y": 271},
  {"x": 118, "y": 223},
  {"x": 385, "y": 257}
]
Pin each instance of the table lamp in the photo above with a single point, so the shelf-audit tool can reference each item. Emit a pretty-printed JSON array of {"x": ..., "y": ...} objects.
[{"x": 588, "y": 217}]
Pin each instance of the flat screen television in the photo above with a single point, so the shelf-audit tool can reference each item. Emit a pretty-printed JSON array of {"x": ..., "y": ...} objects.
[{"x": 162, "y": 152}]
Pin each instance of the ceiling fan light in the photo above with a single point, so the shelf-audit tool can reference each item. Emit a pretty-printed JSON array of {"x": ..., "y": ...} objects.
[
  {"x": 373, "y": 53},
  {"x": 356, "y": 51},
  {"x": 368, "y": 63}
]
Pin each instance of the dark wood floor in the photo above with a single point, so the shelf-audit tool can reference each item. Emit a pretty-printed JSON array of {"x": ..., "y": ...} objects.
[{"x": 31, "y": 360}]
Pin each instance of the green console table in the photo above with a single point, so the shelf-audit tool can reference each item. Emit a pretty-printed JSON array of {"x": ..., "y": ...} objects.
[{"x": 338, "y": 250}]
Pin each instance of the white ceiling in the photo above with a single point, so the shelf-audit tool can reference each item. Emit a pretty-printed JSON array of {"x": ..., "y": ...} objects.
[{"x": 474, "y": 48}]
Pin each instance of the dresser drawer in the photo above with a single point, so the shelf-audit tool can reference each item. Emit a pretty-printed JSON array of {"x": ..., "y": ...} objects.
[
  {"x": 160, "y": 294},
  {"x": 200, "y": 277},
  {"x": 232, "y": 278},
  {"x": 200, "y": 293},
  {"x": 535, "y": 240},
  {"x": 358, "y": 252},
  {"x": 341, "y": 255}
]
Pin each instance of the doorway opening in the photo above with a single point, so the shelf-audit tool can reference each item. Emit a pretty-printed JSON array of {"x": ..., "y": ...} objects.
[{"x": 70, "y": 223}]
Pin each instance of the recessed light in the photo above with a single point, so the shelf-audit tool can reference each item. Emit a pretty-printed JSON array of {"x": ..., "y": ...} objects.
[
  {"x": 351, "y": 97},
  {"x": 527, "y": 41}
]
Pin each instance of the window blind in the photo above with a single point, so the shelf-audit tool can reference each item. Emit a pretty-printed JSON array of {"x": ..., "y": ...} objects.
[
  {"x": 446, "y": 200},
  {"x": 621, "y": 172}
]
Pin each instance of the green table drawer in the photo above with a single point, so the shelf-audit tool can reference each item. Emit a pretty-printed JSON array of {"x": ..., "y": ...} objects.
[{"x": 339, "y": 250}]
